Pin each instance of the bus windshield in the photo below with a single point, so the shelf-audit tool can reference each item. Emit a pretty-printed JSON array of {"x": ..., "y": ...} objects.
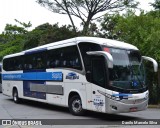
[{"x": 128, "y": 71}]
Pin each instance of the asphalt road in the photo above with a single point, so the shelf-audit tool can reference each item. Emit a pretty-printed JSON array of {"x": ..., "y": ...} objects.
[{"x": 36, "y": 110}]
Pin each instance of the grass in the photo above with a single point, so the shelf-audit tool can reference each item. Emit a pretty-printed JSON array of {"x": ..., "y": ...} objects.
[{"x": 153, "y": 106}]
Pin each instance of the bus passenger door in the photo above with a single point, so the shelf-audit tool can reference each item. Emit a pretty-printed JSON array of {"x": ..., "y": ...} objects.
[{"x": 98, "y": 80}]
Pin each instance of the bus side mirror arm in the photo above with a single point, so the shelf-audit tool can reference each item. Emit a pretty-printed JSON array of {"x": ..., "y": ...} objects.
[
  {"x": 107, "y": 55},
  {"x": 155, "y": 64}
]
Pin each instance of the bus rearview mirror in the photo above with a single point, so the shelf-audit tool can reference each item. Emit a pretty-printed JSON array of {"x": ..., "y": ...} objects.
[
  {"x": 107, "y": 56},
  {"x": 155, "y": 64}
]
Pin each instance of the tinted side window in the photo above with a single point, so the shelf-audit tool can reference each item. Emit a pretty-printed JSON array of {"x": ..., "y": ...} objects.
[
  {"x": 86, "y": 47},
  {"x": 35, "y": 61},
  {"x": 13, "y": 64},
  {"x": 18, "y": 64},
  {"x": 67, "y": 57},
  {"x": 28, "y": 62},
  {"x": 98, "y": 71},
  {"x": 71, "y": 58},
  {"x": 54, "y": 58},
  {"x": 5, "y": 64}
]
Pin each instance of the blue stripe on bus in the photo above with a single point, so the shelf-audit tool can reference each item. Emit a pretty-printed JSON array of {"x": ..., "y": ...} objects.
[
  {"x": 122, "y": 94},
  {"x": 55, "y": 76}
]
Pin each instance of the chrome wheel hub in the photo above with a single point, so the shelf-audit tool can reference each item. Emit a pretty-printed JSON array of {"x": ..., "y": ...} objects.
[{"x": 76, "y": 105}]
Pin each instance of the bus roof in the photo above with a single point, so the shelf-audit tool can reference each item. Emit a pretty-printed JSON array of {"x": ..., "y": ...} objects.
[
  {"x": 76, "y": 40},
  {"x": 107, "y": 42}
]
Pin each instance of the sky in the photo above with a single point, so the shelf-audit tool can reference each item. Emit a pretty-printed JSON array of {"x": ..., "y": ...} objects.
[{"x": 29, "y": 10}]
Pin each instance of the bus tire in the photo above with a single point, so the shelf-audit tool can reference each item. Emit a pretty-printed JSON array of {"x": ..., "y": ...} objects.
[
  {"x": 16, "y": 98},
  {"x": 75, "y": 106}
]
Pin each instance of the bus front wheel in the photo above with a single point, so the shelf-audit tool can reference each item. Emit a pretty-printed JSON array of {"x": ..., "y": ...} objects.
[
  {"x": 75, "y": 106},
  {"x": 15, "y": 96}
]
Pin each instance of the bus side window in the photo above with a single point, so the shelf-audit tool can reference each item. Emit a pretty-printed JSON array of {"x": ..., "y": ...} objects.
[
  {"x": 53, "y": 58},
  {"x": 13, "y": 64},
  {"x": 35, "y": 61},
  {"x": 28, "y": 62},
  {"x": 41, "y": 61},
  {"x": 57, "y": 63},
  {"x": 98, "y": 71},
  {"x": 66, "y": 57},
  {"x": 85, "y": 47},
  {"x": 18, "y": 63},
  {"x": 71, "y": 58}
]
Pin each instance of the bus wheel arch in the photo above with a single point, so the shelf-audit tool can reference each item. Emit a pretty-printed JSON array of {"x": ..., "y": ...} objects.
[
  {"x": 15, "y": 95},
  {"x": 75, "y": 104}
]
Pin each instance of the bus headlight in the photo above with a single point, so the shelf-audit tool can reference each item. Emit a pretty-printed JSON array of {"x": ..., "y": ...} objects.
[{"x": 146, "y": 96}]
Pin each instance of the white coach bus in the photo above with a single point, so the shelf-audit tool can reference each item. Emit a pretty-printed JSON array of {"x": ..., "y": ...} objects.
[{"x": 82, "y": 73}]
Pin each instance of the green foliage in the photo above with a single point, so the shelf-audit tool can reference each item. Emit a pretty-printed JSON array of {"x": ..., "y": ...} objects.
[
  {"x": 47, "y": 33},
  {"x": 108, "y": 24},
  {"x": 31, "y": 40},
  {"x": 56, "y": 33},
  {"x": 25, "y": 25},
  {"x": 11, "y": 40},
  {"x": 156, "y": 4},
  {"x": 10, "y": 47},
  {"x": 142, "y": 31}
]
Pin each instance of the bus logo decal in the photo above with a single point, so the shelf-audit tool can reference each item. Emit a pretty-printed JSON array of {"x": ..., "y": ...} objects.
[
  {"x": 72, "y": 76},
  {"x": 57, "y": 76}
]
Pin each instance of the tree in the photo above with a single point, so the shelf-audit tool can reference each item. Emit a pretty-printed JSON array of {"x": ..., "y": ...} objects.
[
  {"x": 156, "y": 4},
  {"x": 47, "y": 33},
  {"x": 11, "y": 32},
  {"x": 108, "y": 24},
  {"x": 156, "y": 11},
  {"x": 56, "y": 33},
  {"x": 86, "y": 10},
  {"x": 141, "y": 31},
  {"x": 12, "y": 38}
]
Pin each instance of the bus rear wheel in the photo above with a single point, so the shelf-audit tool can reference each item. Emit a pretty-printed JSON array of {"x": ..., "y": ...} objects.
[
  {"x": 75, "y": 106},
  {"x": 15, "y": 96}
]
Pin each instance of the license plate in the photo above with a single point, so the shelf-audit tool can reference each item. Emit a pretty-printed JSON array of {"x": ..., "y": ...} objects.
[{"x": 133, "y": 109}]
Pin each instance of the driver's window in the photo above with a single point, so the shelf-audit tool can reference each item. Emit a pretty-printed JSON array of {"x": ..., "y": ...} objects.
[
  {"x": 86, "y": 47},
  {"x": 98, "y": 71}
]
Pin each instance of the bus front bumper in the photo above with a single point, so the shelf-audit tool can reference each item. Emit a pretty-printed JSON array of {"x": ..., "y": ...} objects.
[{"x": 113, "y": 106}]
